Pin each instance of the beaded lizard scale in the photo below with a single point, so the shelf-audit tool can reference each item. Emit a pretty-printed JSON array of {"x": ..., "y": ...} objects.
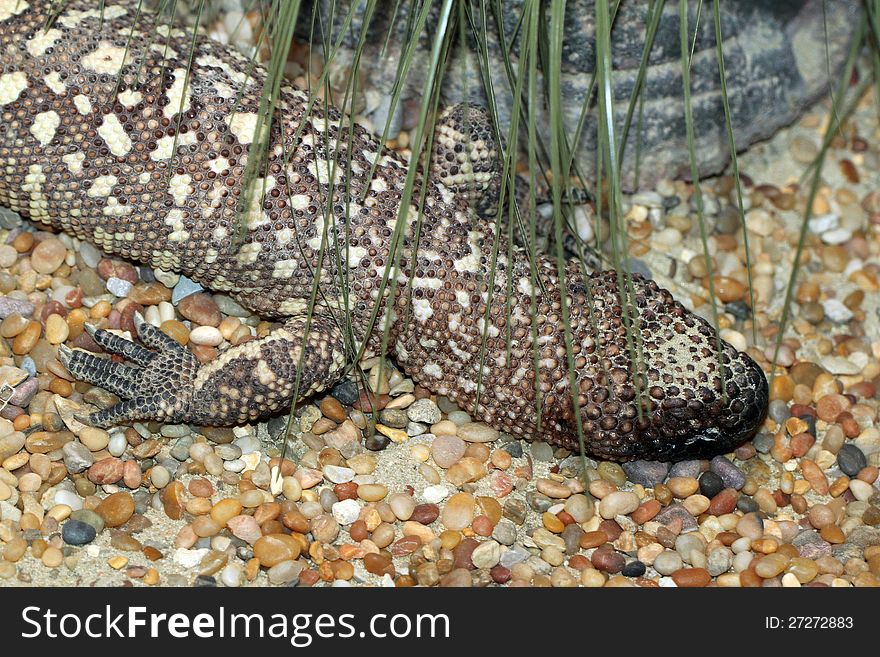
[{"x": 155, "y": 174}]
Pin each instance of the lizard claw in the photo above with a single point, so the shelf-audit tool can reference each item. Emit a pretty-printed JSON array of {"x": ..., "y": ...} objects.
[{"x": 152, "y": 386}]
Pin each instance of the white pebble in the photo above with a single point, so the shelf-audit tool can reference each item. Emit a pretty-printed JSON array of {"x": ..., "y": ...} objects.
[
  {"x": 338, "y": 475},
  {"x": 346, "y": 511},
  {"x": 118, "y": 287},
  {"x": 8, "y": 256},
  {"x": 166, "y": 311},
  {"x": 435, "y": 494},
  {"x": 862, "y": 490},
  {"x": 583, "y": 223},
  {"x": 69, "y": 498},
  {"x": 234, "y": 466},
  {"x": 836, "y": 311},
  {"x": 824, "y": 223},
  {"x": 206, "y": 335},
  {"x": 189, "y": 558},
  {"x": 741, "y": 561},
  {"x": 837, "y": 236},
  {"x": 151, "y": 314},
  {"x": 118, "y": 444},
  {"x": 231, "y": 575}
]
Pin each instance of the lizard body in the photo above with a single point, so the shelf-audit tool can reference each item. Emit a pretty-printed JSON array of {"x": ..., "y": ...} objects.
[{"x": 155, "y": 174}]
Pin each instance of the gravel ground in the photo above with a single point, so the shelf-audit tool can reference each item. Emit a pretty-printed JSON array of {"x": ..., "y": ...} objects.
[{"x": 447, "y": 500}]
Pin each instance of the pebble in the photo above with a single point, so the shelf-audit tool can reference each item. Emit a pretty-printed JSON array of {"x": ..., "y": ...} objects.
[
  {"x": 273, "y": 549},
  {"x": 346, "y": 511},
  {"x": 447, "y": 450},
  {"x": 580, "y": 507},
  {"x": 116, "y": 509},
  {"x": 851, "y": 460},
  {"x": 76, "y": 532},
  {"x": 682, "y": 487},
  {"x": 836, "y": 311},
  {"x": 668, "y": 562},
  {"x": 487, "y": 554},
  {"x": 646, "y": 473},
  {"x": 48, "y": 256},
  {"x": 731, "y": 476},
  {"x": 69, "y": 499},
  {"x": 552, "y": 489},
  {"x": 77, "y": 457},
  {"x": 618, "y": 503},
  {"x": 337, "y": 474},
  {"x": 232, "y": 575},
  {"x": 206, "y": 335},
  {"x": 372, "y": 492},
  {"x": 118, "y": 287},
  {"x": 711, "y": 484},
  {"x": 10, "y": 306},
  {"x": 685, "y": 469},
  {"x": 541, "y": 451},
  {"x": 477, "y": 432},
  {"x": 750, "y": 526},
  {"x": 504, "y": 532},
  {"x": 402, "y": 505},
  {"x": 691, "y": 577},
  {"x": 607, "y": 560},
  {"x": 458, "y": 511},
  {"x": 424, "y": 411},
  {"x": 285, "y": 572}
]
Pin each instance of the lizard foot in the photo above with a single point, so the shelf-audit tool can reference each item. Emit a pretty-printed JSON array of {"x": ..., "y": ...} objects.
[{"x": 156, "y": 385}]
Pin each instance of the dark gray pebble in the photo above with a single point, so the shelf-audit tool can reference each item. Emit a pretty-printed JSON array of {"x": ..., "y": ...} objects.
[
  {"x": 633, "y": 569},
  {"x": 850, "y": 459},
  {"x": 142, "y": 500},
  {"x": 732, "y": 476},
  {"x": 180, "y": 451},
  {"x": 541, "y": 451},
  {"x": 345, "y": 392},
  {"x": 514, "y": 449},
  {"x": 685, "y": 469},
  {"x": 646, "y": 473},
  {"x": 778, "y": 411},
  {"x": 738, "y": 309},
  {"x": 711, "y": 484},
  {"x": 75, "y": 532},
  {"x": 810, "y": 419},
  {"x": 763, "y": 442},
  {"x": 276, "y": 426},
  {"x": 746, "y": 504}
]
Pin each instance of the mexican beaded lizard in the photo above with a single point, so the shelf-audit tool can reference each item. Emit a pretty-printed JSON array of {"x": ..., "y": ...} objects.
[{"x": 140, "y": 180}]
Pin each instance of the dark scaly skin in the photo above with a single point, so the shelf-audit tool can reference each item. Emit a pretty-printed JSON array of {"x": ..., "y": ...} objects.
[{"x": 102, "y": 170}]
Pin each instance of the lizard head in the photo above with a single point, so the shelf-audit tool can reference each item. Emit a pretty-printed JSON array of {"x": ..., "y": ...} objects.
[{"x": 655, "y": 381}]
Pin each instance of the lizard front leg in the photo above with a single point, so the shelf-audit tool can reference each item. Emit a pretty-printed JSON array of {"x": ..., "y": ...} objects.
[{"x": 165, "y": 381}]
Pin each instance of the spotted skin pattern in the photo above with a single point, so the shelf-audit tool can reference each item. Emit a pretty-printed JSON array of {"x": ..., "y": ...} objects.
[{"x": 155, "y": 174}]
